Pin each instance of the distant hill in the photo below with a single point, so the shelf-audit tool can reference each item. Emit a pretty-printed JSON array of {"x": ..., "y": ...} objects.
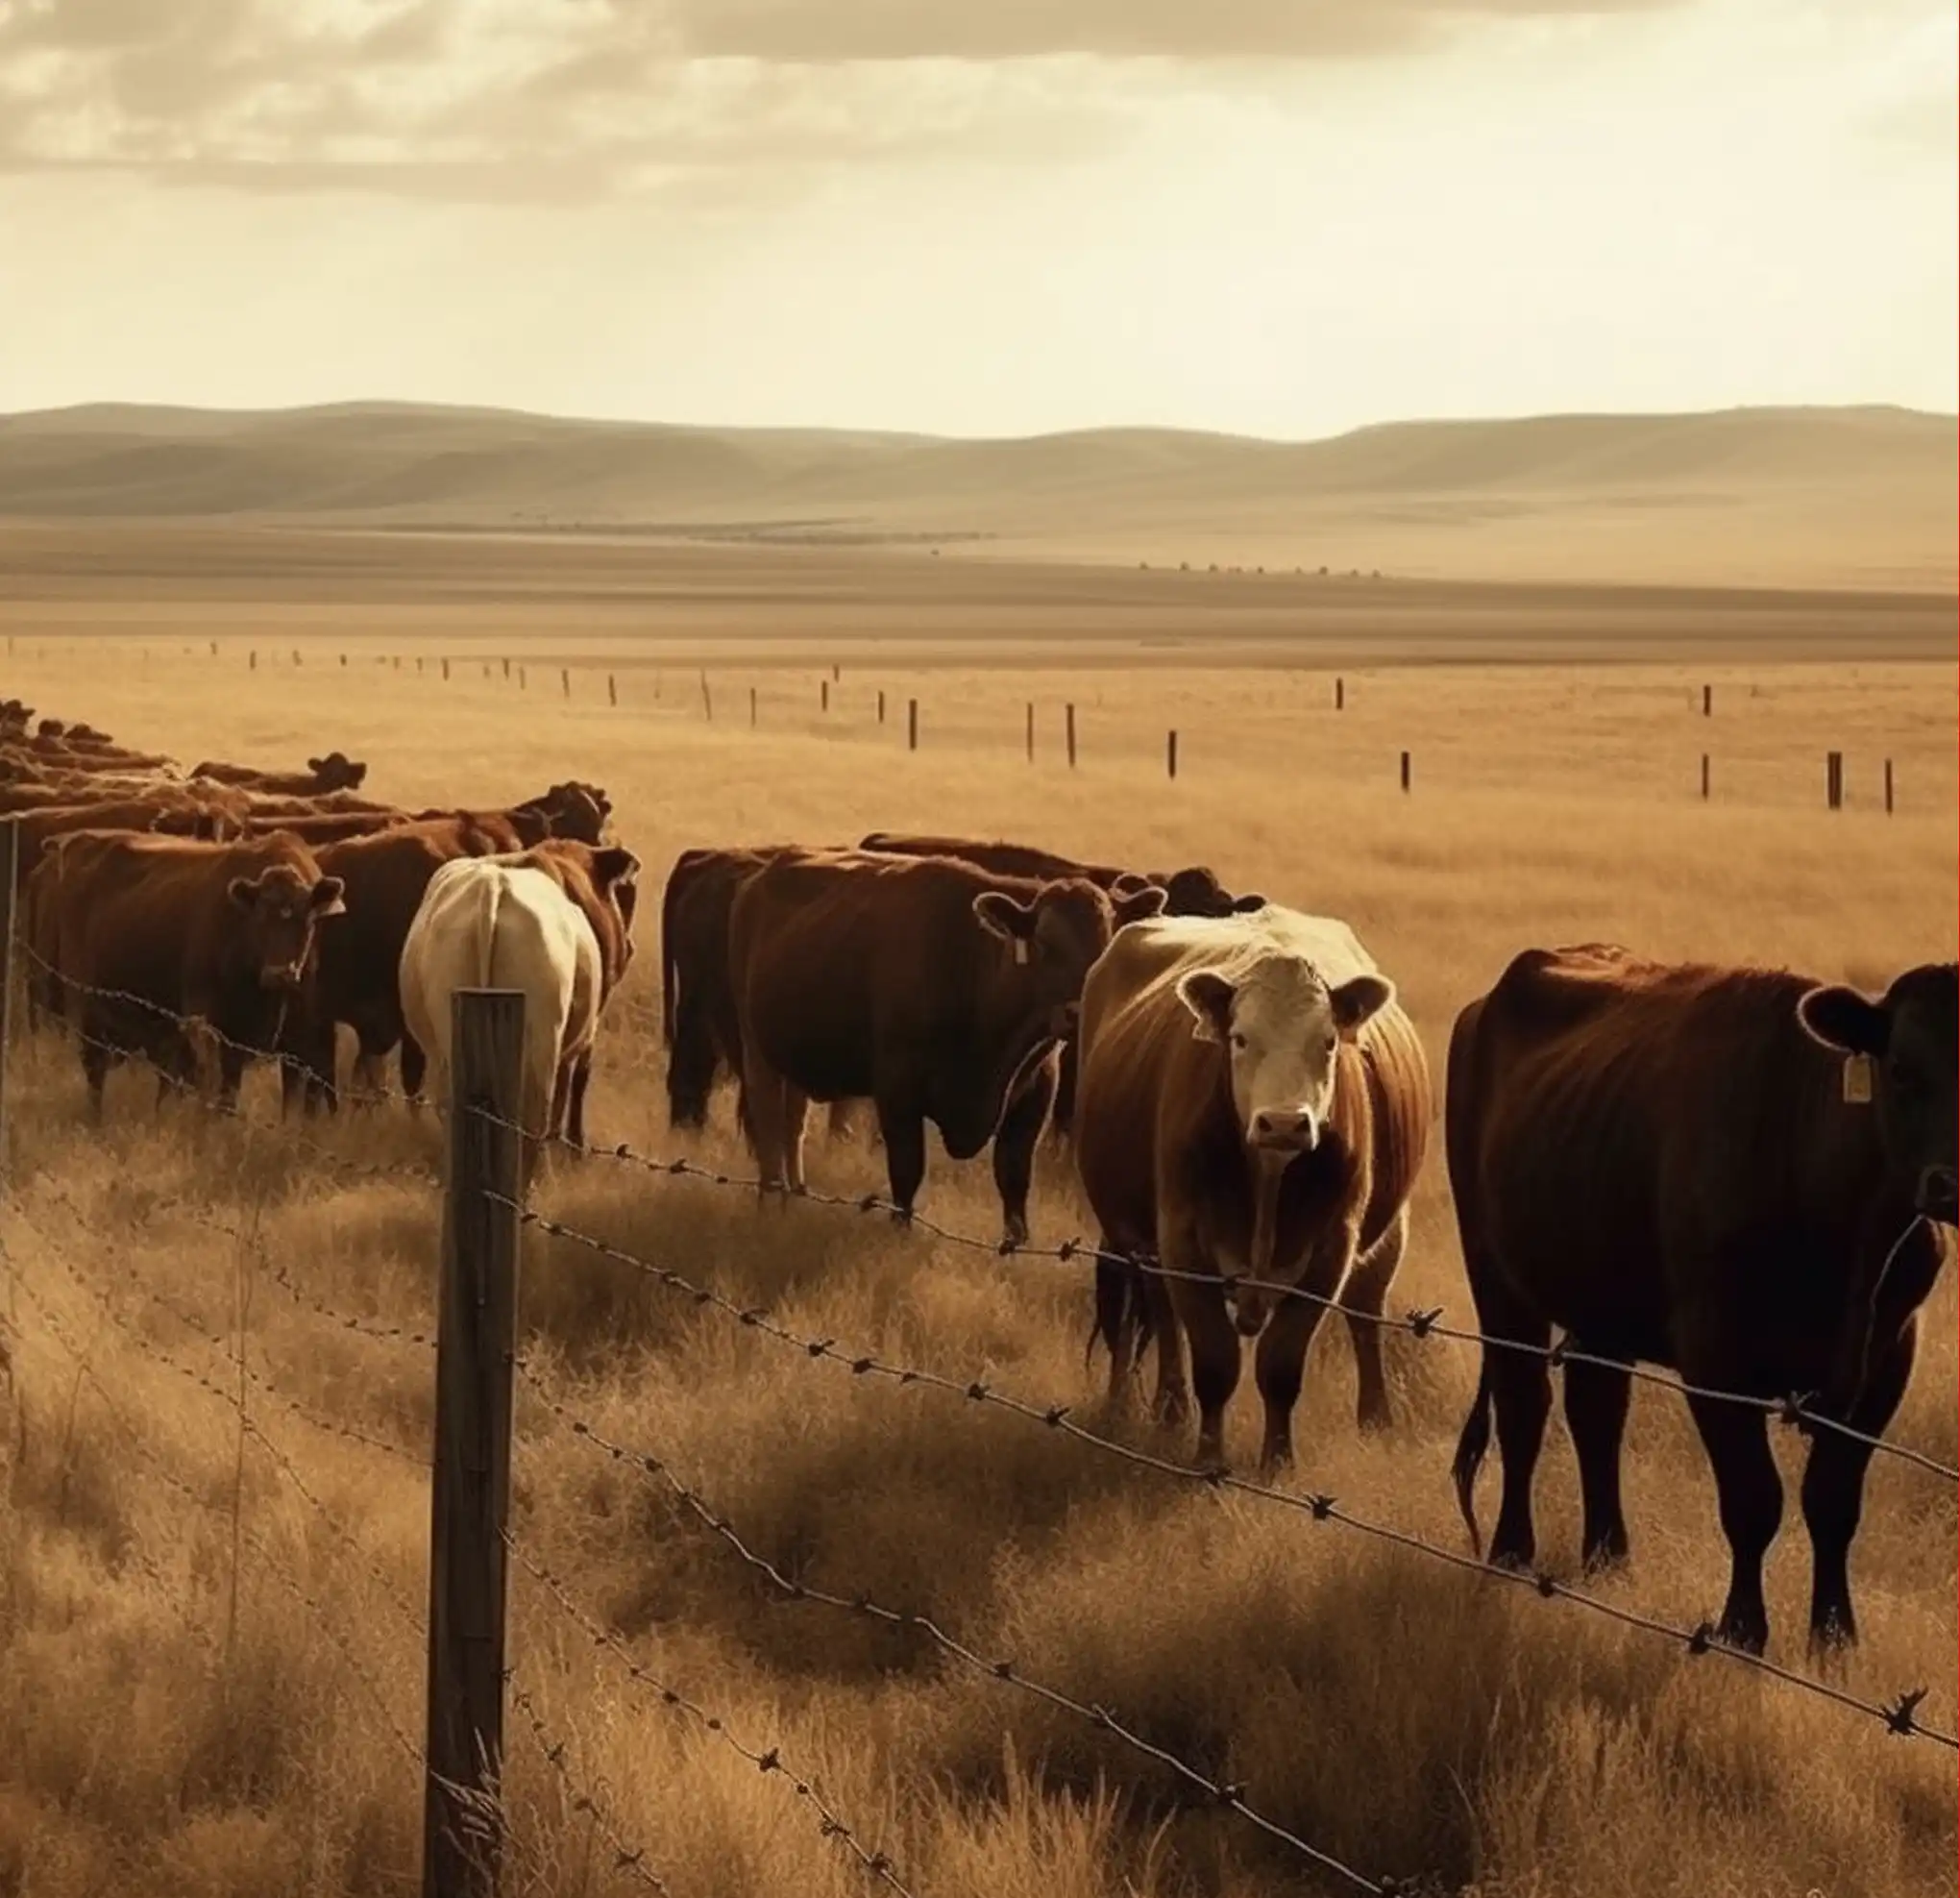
[{"x": 1790, "y": 496}]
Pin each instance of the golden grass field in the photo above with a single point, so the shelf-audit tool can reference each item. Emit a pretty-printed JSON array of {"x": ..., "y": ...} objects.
[{"x": 198, "y": 1673}]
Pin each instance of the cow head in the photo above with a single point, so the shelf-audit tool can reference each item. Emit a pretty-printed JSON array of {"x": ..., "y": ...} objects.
[
  {"x": 574, "y": 810},
  {"x": 280, "y": 909},
  {"x": 337, "y": 771},
  {"x": 50, "y": 727},
  {"x": 1197, "y": 890},
  {"x": 1055, "y": 937},
  {"x": 1904, "y": 1046},
  {"x": 1281, "y": 1026}
]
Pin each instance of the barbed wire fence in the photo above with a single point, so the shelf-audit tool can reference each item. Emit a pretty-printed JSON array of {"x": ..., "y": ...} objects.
[{"x": 477, "y": 1370}]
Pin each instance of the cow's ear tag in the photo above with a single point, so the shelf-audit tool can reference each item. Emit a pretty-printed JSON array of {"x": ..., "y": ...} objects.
[
  {"x": 1858, "y": 1079},
  {"x": 1020, "y": 949}
]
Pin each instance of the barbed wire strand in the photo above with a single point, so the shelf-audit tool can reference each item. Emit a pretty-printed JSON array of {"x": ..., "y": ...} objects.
[
  {"x": 769, "y": 1760},
  {"x": 1899, "y": 1717}
]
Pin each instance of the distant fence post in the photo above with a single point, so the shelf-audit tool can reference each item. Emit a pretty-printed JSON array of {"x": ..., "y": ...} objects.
[
  {"x": 251, "y": 660},
  {"x": 418, "y": 660},
  {"x": 751, "y": 708},
  {"x": 1888, "y": 787},
  {"x": 823, "y": 695},
  {"x": 506, "y": 668},
  {"x": 1170, "y": 753},
  {"x": 462, "y": 1811},
  {"x": 1031, "y": 731},
  {"x": 881, "y": 705},
  {"x": 1834, "y": 780},
  {"x": 1407, "y": 770},
  {"x": 9, "y": 864},
  {"x": 522, "y": 679},
  {"x": 1707, "y": 702},
  {"x": 836, "y": 674},
  {"x": 1068, "y": 731},
  {"x": 445, "y": 672},
  {"x": 612, "y": 690},
  {"x": 1704, "y": 777},
  {"x": 343, "y": 662},
  {"x": 296, "y": 657},
  {"x": 1340, "y": 693},
  {"x": 911, "y": 724},
  {"x": 565, "y": 680},
  {"x": 707, "y": 697}
]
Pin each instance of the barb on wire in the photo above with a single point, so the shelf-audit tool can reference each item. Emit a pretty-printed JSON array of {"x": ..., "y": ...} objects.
[
  {"x": 1214, "y": 1791},
  {"x": 268, "y": 1557},
  {"x": 281, "y": 1461},
  {"x": 1896, "y": 1715},
  {"x": 628, "y": 1859},
  {"x": 1797, "y": 1408},
  {"x": 768, "y": 1761}
]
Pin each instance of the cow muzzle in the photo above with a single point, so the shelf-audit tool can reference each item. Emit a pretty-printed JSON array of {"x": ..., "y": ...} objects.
[
  {"x": 1939, "y": 1196},
  {"x": 1284, "y": 1130}
]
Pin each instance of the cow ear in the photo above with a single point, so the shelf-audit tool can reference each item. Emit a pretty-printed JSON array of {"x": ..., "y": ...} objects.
[
  {"x": 243, "y": 891},
  {"x": 1357, "y": 1000},
  {"x": 1208, "y": 998},
  {"x": 614, "y": 865},
  {"x": 1127, "y": 882},
  {"x": 1244, "y": 906},
  {"x": 1842, "y": 1019},
  {"x": 1138, "y": 905},
  {"x": 998, "y": 912},
  {"x": 329, "y": 897},
  {"x": 316, "y": 765}
]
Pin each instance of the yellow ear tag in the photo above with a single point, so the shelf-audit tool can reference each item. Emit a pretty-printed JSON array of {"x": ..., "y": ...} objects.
[
  {"x": 1020, "y": 951},
  {"x": 1858, "y": 1079}
]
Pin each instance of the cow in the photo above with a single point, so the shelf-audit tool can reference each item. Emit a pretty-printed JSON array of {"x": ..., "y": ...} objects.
[
  {"x": 166, "y": 817},
  {"x": 153, "y": 932},
  {"x": 1732, "y": 1172},
  {"x": 1194, "y": 890},
  {"x": 526, "y": 922},
  {"x": 1254, "y": 1102},
  {"x": 571, "y": 810},
  {"x": 335, "y": 772},
  {"x": 930, "y": 986}
]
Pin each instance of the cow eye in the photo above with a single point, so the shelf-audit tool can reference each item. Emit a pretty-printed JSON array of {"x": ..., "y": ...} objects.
[{"x": 1238, "y": 1040}]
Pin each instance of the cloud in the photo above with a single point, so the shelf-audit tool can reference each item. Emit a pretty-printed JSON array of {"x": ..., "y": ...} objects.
[{"x": 570, "y": 98}]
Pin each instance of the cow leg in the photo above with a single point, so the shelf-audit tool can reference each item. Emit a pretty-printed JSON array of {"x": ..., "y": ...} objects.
[
  {"x": 1013, "y": 1149},
  {"x": 1595, "y": 1414},
  {"x": 1751, "y": 1493},
  {"x": 795, "y": 1120},
  {"x": 903, "y": 1128},
  {"x": 414, "y": 1066},
  {"x": 762, "y": 1115},
  {"x": 1172, "y": 1404},
  {"x": 1279, "y": 1365},
  {"x": 1061, "y": 1117},
  {"x": 97, "y": 1057},
  {"x": 839, "y": 1122},
  {"x": 1116, "y": 1320},
  {"x": 574, "y": 1106},
  {"x": 1362, "y": 1300},
  {"x": 1834, "y": 1490},
  {"x": 1199, "y": 1303}
]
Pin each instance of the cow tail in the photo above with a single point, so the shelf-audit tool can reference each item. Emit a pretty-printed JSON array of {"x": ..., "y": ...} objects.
[
  {"x": 1471, "y": 1448},
  {"x": 1120, "y": 1305}
]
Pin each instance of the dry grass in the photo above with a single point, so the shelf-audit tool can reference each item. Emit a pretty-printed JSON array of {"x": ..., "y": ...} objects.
[{"x": 173, "y": 1717}]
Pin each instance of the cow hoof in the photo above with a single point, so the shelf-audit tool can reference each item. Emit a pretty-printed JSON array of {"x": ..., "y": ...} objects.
[{"x": 1013, "y": 1234}]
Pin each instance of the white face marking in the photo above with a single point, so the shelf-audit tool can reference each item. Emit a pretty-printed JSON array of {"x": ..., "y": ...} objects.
[{"x": 1281, "y": 1045}]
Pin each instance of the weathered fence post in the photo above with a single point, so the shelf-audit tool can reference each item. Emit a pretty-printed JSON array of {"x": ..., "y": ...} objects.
[
  {"x": 1068, "y": 731},
  {"x": 707, "y": 697},
  {"x": 10, "y": 859},
  {"x": 911, "y": 724},
  {"x": 522, "y": 679},
  {"x": 751, "y": 708},
  {"x": 1707, "y": 702},
  {"x": 418, "y": 660},
  {"x": 1407, "y": 770},
  {"x": 343, "y": 661},
  {"x": 1888, "y": 787},
  {"x": 1704, "y": 777},
  {"x": 445, "y": 672},
  {"x": 1170, "y": 753},
  {"x": 836, "y": 674},
  {"x": 461, "y": 1813},
  {"x": 823, "y": 695},
  {"x": 251, "y": 660},
  {"x": 506, "y": 668},
  {"x": 1340, "y": 693},
  {"x": 1834, "y": 780},
  {"x": 612, "y": 690},
  {"x": 296, "y": 657},
  {"x": 565, "y": 679},
  {"x": 1031, "y": 731},
  {"x": 881, "y": 705}
]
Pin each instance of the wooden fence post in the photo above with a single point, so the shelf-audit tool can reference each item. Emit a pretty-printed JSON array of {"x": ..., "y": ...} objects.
[
  {"x": 251, "y": 660},
  {"x": 612, "y": 690},
  {"x": 1407, "y": 770},
  {"x": 343, "y": 661},
  {"x": 823, "y": 695},
  {"x": 506, "y": 668},
  {"x": 296, "y": 656},
  {"x": 1888, "y": 787},
  {"x": 445, "y": 672},
  {"x": 565, "y": 679},
  {"x": 881, "y": 705},
  {"x": 1170, "y": 753},
  {"x": 1834, "y": 780},
  {"x": 1704, "y": 777},
  {"x": 707, "y": 697},
  {"x": 1707, "y": 702},
  {"x": 1031, "y": 731},
  {"x": 911, "y": 724},
  {"x": 751, "y": 708},
  {"x": 418, "y": 660},
  {"x": 10, "y": 861},
  {"x": 522, "y": 679},
  {"x": 1340, "y": 693},
  {"x": 1068, "y": 731},
  {"x": 462, "y": 1816}
]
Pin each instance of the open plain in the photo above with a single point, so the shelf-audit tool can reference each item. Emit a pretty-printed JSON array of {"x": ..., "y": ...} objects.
[{"x": 210, "y": 1664}]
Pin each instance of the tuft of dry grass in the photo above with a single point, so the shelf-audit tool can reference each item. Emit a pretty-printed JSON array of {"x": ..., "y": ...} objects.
[{"x": 206, "y": 1682}]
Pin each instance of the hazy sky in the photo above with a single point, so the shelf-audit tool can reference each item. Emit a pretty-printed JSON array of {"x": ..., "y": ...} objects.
[{"x": 995, "y": 216}]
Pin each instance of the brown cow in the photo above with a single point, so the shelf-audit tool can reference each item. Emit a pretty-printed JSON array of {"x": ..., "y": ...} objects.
[
  {"x": 168, "y": 817},
  {"x": 153, "y": 934},
  {"x": 1195, "y": 891},
  {"x": 928, "y": 985},
  {"x": 1254, "y": 1102},
  {"x": 572, "y": 810},
  {"x": 335, "y": 772},
  {"x": 1728, "y": 1172}
]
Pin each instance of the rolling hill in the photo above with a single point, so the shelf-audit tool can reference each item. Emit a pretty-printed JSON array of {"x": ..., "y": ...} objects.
[{"x": 1860, "y": 496}]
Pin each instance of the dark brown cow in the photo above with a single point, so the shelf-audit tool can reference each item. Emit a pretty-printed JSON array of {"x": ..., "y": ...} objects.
[
  {"x": 1194, "y": 890},
  {"x": 171, "y": 946},
  {"x": 335, "y": 772},
  {"x": 571, "y": 811},
  {"x": 1728, "y": 1172},
  {"x": 930, "y": 986},
  {"x": 1255, "y": 1103}
]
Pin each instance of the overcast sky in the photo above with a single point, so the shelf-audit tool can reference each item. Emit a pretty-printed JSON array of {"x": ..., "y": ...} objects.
[{"x": 996, "y": 216}]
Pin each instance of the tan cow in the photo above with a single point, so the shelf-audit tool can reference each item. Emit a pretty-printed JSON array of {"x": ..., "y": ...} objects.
[{"x": 1253, "y": 1102}]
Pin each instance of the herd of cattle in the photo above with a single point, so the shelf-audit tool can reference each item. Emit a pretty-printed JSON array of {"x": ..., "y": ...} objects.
[{"x": 1737, "y": 1172}]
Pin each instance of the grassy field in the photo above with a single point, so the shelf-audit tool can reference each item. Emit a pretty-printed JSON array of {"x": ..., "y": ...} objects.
[{"x": 211, "y": 1669}]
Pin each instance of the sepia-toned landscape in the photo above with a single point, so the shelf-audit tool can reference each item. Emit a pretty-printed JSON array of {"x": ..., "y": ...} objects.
[{"x": 219, "y": 1331}]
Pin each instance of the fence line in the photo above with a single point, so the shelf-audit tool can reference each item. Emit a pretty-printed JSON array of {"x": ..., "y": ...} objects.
[
  {"x": 768, "y": 1761},
  {"x": 1217, "y": 1793},
  {"x": 1899, "y": 1715}
]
